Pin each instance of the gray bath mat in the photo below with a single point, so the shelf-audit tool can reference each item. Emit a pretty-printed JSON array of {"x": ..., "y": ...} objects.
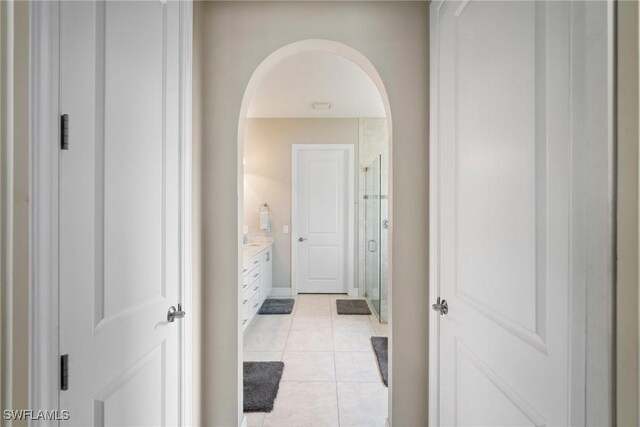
[
  {"x": 277, "y": 306},
  {"x": 260, "y": 385},
  {"x": 380, "y": 347},
  {"x": 352, "y": 306}
]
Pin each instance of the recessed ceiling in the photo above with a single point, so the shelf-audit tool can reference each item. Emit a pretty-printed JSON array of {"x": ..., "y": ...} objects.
[{"x": 292, "y": 87}]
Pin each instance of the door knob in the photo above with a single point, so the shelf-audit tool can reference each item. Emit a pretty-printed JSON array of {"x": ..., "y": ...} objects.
[
  {"x": 442, "y": 307},
  {"x": 174, "y": 313},
  {"x": 302, "y": 239}
]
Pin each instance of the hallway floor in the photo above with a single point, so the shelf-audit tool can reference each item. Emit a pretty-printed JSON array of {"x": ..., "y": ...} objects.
[{"x": 331, "y": 376}]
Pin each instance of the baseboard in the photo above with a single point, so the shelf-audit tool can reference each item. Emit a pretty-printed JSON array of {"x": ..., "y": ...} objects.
[
  {"x": 354, "y": 292},
  {"x": 280, "y": 292},
  {"x": 244, "y": 421}
]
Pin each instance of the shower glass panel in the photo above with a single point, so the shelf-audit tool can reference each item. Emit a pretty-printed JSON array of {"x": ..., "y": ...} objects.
[{"x": 373, "y": 231}]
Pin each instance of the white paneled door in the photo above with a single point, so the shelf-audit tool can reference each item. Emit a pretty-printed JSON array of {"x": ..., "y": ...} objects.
[
  {"x": 323, "y": 218},
  {"x": 119, "y": 212},
  {"x": 503, "y": 190}
]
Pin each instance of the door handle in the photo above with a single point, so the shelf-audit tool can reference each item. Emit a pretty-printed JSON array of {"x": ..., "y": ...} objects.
[
  {"x": 174, "y": 313},
  {"x": 302, "y": 239},
  {"x": 442, "y": 307}
]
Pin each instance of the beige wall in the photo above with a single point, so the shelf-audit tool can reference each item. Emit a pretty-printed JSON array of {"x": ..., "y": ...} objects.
[
  {"x": 14, "y": 205},
  {"x": 196, "y": 310},
  {"x": 394, "y": 36},
  {"x": 627, "y": 316},
  {"x": 267, "y": 175}
]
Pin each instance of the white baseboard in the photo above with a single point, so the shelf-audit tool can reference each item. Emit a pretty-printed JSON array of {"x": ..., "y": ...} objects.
[
  {"x": 280, "y": 292},
  {"x": 244, "y": 421},
  {"x": 354, "y": 292}
]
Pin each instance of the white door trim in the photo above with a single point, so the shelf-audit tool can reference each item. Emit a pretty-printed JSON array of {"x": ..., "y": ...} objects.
[
  {"x": 592, "y": 238},
  {"x": 44, "y": 194},
  {"x": 350, "y": 247}
]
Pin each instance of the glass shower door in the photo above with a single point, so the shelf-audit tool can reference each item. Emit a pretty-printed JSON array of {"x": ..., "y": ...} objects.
[{"x": 373, "y": 251}]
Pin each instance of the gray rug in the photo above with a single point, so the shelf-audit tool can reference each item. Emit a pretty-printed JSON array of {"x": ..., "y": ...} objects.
[
  {"x": 380, "y": 347},
  {"x": 277, "y": 306},
  {"x": 352, "y": 306},
  {"x": 260, "y": 384}
]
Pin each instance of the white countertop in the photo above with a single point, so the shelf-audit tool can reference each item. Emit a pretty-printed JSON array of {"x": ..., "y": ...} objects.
[{"x": 252, "y": 249}]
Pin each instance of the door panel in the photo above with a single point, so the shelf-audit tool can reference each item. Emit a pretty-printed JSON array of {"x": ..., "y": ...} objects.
[
  {"x": 322, "y": 215},
  {"x": 131, "y": 109},
  {"x": 119, "y": 210},
  {"x": 503, "y": 137}
]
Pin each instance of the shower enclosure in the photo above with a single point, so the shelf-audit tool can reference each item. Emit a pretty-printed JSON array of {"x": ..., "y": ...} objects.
[{"x": 376, "y": 238}]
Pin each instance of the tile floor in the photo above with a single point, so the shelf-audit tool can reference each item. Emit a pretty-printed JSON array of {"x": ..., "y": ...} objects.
[{"x": 331, "y": 376}]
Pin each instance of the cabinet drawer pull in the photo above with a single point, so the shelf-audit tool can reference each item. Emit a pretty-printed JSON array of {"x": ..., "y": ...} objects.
[
  {"x": 245, "y": 301},
  {"x": 255, "y": 289},
  {"x": 244, "y": 321},
  {"x": 256, "y": 304},
  {"x": 256, "y": 275},
  {"x": 256, "y": 261}
]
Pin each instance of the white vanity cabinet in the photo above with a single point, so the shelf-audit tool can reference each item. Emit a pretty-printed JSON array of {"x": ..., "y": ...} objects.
[
  {"x": 256, "y": 280},
  {"x": 266, "y": 273}
]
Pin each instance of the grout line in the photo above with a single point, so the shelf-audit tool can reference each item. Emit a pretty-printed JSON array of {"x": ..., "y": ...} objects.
[{"x": 335, "y": 368}]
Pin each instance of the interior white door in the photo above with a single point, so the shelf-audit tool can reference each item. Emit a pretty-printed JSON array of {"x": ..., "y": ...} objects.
[
  {"x": 322, "y": 191},
  {"x": 504, "y": 190},
  {"x": 119, "y": 212}
]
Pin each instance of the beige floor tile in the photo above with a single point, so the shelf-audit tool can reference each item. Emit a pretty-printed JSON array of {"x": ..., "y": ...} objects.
[
  {"x": 304, "y": 404},
  {"x": 346, "y": 340},
  {"x": 359, "y": 366},
  {"x": 262, "y": 356},
  {"x": 311, "y": 322},
  {"x": 320, "y": 340},
  {"x": 320, "y": 347},
  {"x": 312, "y": 308},
  {"x": 362, "y": 404},
  {"x": 381, "y": 330},
  {"x": 271, "y": 321},
  {"x": 353, "y": 323},
  {"x": 308, "y": 366},
  {"x": 314, "y": 297},
  {"x": 254, "y": 419},
  {"x": 264, "y": 340}
]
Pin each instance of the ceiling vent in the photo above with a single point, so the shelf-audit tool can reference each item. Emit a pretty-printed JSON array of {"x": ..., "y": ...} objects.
[{"x": 321, "y": 105}]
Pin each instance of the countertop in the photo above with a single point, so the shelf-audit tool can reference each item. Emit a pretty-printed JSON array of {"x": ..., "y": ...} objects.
[{"x": 252, "y": 249}]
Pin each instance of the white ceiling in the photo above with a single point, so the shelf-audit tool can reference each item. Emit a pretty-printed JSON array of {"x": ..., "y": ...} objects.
[{"x": 293, "y": 85}]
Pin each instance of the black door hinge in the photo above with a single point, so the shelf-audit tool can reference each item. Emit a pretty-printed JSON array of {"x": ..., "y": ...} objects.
[
  {"x": 64, "y": 132},
  {"x": 64, "y": 372}
]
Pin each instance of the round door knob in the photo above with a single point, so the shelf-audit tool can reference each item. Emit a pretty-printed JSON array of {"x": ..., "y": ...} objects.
[{"x": 302, "y": 239}]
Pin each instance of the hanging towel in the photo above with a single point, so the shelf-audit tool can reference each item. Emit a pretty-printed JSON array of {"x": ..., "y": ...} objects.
[{"x": 264, "y": 221}]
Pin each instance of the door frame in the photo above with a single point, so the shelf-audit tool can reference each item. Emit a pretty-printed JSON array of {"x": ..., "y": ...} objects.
[
  {"x": 44, "y": 195},
  {"x": 349, "y": 149},
  {"x": 592, "y": 239}
]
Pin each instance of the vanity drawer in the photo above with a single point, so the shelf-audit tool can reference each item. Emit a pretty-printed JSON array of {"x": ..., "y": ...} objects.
[
  {"x": 254, "y": 288},
  {"x": 254, "y": 274},
  {"x": 254, "y": 304},
  {"x": 253, "y": 262},
  {"x": 245, "y": 281},
  {"x": 247, "y": 294},
  {"x": 246, "y": 315}
]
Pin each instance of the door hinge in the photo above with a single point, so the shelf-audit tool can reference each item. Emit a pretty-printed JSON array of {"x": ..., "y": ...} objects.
[
  {"x": 64, "y": 132},
  {"x": 64, "y": 372}
]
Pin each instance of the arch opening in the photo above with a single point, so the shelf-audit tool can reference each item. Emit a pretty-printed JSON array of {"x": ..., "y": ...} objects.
[{"x": 257, "y": 79}]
